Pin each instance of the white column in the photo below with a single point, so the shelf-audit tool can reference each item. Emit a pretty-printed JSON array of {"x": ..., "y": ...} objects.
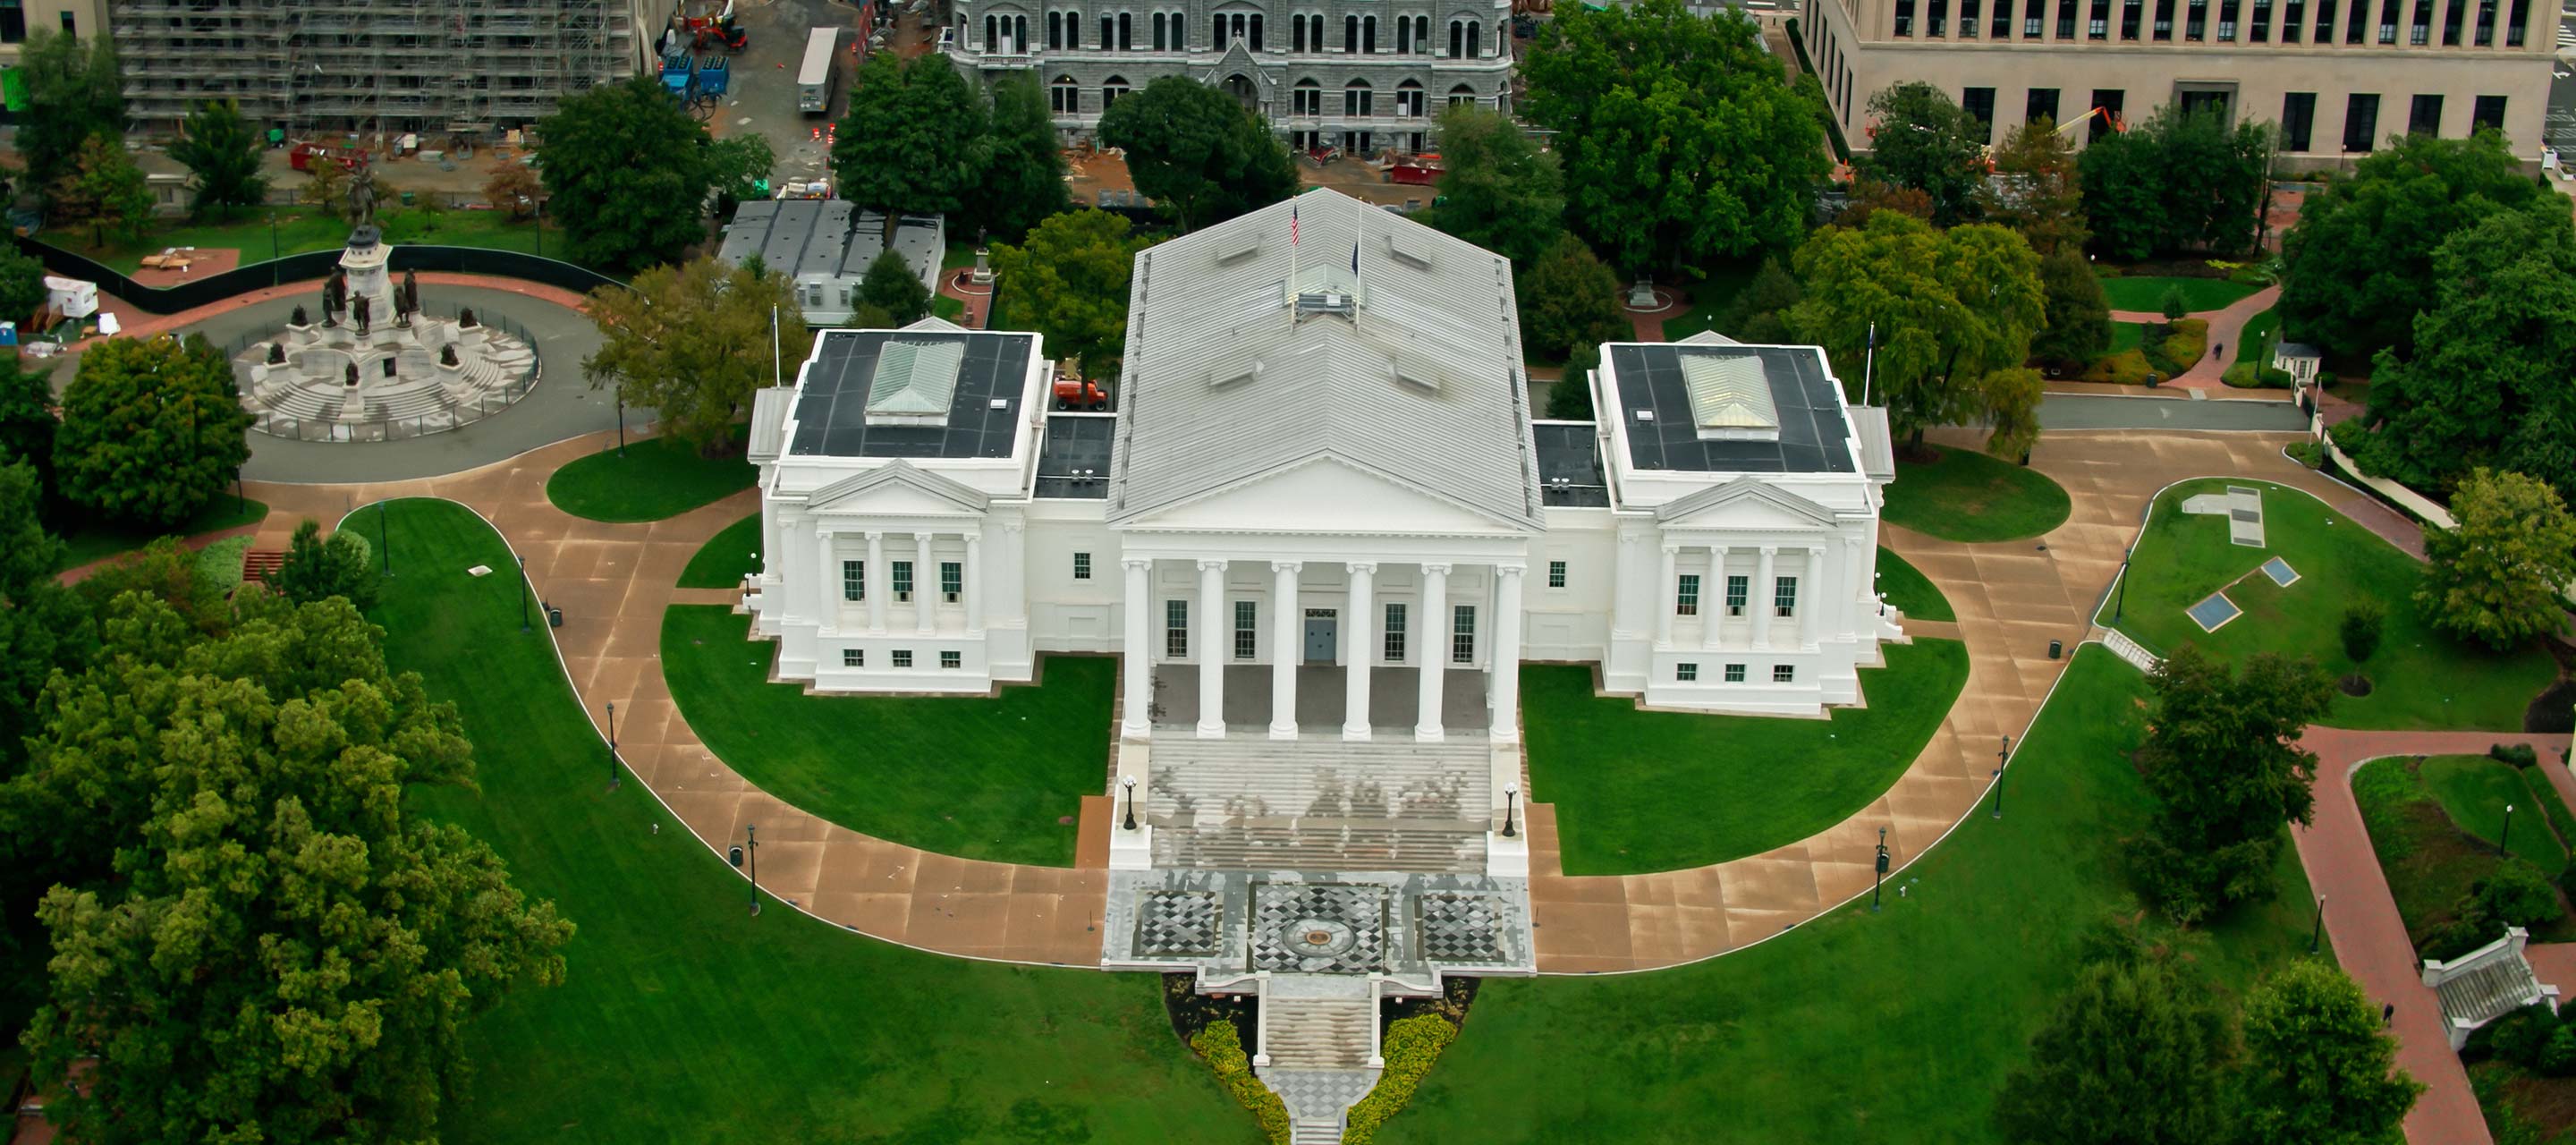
[
  {"x": 1504, "y": 661},
  {"x": 1811, "y": 600},
  {"x": 1212, "y": 649},
  {"x": 1757, "y": 597},
  {"x": 1431, "y": 649},
  {"x": 880, "y": 582},
  {"x": 974, "y": 575},
  {"x": 925, "y": 582},
  {"x": 1667, "y": 588},
  {"x": 829, "y": 602},
  {"x": 1287, "y": 648},
  {"x": 1359, "y": 630},
  {"x": 1712, "y": 600},
  {"x": 1135, "y": 652}
]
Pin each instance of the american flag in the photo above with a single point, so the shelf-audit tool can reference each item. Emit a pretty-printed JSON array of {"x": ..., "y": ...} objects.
[{"x": 1292, "y": 224}]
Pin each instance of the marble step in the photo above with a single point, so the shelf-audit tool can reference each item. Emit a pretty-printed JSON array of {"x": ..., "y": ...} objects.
[{"x": 1304, "y": 847}]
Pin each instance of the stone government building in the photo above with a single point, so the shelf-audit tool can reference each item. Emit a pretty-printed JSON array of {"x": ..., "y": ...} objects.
[{"x": 1362, "y": 75}]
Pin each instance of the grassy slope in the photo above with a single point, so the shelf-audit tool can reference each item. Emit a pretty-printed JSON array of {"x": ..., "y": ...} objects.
[
  {"x": 98, "y": 542},
  {"x": 2426, "y": 679},
  {"x": 683, "y": 1020},
  {"x": 2474, "y": 791},
  {"x": 656, "y": 478},
  {"x": 2127, "y": 336},
  {"x": 1908, "y": 589},
  {"x": 1655, "y": 791},
  {"x": 1967, "y": 496},
  {"x": 981, "y": 777},
  {"x": 2254, "y": 342},
  {"x": 2431, "y": 858},
  {"x": 726, "y": 558},
  {"x": 2198, "y": 293},
  {"x": 1884, "y": 1028}
]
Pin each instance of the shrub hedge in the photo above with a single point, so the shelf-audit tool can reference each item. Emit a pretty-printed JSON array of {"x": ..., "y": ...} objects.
[
  {"x": 221, "y": 562},
  {"x": 1411, "y": 1045},
  {"x": 1222, "y": 1049},
  {"x": 2179, "y": 345}
]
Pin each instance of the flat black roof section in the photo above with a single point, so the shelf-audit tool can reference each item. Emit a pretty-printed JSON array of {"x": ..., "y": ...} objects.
[
  {"x": 1075, "y": 461},
  {"x": 832, "y": 414},
  {"x": 1569, "y": 466},
  {"x": 1812, "y": 434}
]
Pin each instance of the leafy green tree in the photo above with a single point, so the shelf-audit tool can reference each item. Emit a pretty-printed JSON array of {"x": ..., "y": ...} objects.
[
  {"x": 1924, "y": 140},
  {"x": 1023, "y": 182},
  {"x": 2173, "y": 304},
  {"x": 627, "y": 174},
  {"x": 1497, "y": 189},
  {"x": 1070, "y": 284},
  {"x": 2319, "y": 1070},
  {"x": 2078, "y": 315},
  {"x": 74, "y": 92},
  {"x": 1681, "y": 140},
  {"x": 152, "y": 429},
  {"x": 914, "y": 139},
  {"x": 692, "y": 342},
  {"x": 165, "y": 571},
  {"x": 892, "y": 286},
  {"x": 2177, "y": 182},
  {"x": 219, "y": 148},
  {"x": 2491, "y": 377},
  {"x": 1202, "y": 157},
  {"x": 2361, "y": 259},
  {"x": 285, "y": 952},
  {"x": 27, "y": 423},
  {"x": 104, "y": 188},
  {"x": 1570, "y": 399},
  {"x": 316, "y": 569},
  {"x": 22, "y": 284},
  {"x": 1757, "y": 313},
  {"x": 2011, "y": 396},
  {"x": 2124, "y": 198},
  {"x": 1570, "y": 298},
  {"x": 43, "y": 627},
  {"x": 2037, "y": 189},
  {"x": 738, "y": 165},
  {"x": 2134, "y": 1054},
  {"x": 1952, "y": 308},
  {"x": 2495, "y": 578},
  {"x": 2221, "y": 757},
  {"x": 2359, "y": 629}
]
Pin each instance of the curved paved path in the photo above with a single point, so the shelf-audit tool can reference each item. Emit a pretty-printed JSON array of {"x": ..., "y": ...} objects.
[{"x": 2226, "y": 329}]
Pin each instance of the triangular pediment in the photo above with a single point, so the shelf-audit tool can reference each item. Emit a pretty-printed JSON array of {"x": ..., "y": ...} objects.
[
  {"x": 896, "y": 488},
  {"x": 1322, "y": 494},
  {"x": 1745, "y": 502}
]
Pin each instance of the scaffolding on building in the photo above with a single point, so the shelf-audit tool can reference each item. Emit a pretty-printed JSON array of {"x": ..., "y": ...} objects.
[{"x": 375, "y": 67}]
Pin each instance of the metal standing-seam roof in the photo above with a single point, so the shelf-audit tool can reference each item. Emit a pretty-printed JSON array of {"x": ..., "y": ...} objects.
[{"x": 1421, "y": 384}]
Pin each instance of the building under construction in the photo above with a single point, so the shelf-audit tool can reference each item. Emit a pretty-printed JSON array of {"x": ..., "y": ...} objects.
[{"x": 377, "y": 66}]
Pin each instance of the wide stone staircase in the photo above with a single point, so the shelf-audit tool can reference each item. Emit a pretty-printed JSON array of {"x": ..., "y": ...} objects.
[
  {"x": 1253, "y": 804},
  {"x": 1317, "y": 1049}
]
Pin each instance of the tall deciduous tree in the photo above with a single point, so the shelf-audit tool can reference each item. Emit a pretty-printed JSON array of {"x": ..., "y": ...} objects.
[
  {"x": 2078, "y": 314},
  {"x": 1682, "y": 141},
  {"x": 74, "y": 92},
  {"x": 738, "y": 168},
  {"x": 2319, "y": 1070},
  {"x": 892, "y": 286},
  {"x": 1924, "y": 140},
  {"x": 27, "y": 422},
  {"x": 43, "y": 627},
  {"x": 1023, "y": 180},
  {"x": 2177, "y": 182},
  {"x": 1497, "y": 189},
  {"x": 219, "y": 149},
  {"x": 316, "y": 569},
  {"x": 2361, "y": 259},
  {"x": 1200, "y": 155},
  {"x": 1952, "y": 308},
  {"x": 914, "y": 139},
  {"x": 1569, "y": 298},
  {"x": 104, "y": 188},
  {"x": 152, "y": 429},
  {"x": 286, "y": 952},
  {"x": 22, "y": 284},
  {"x": 2037, "y": 189},
  {"x": 626, "y": 173},
  {"x": 2135, "y": 1055},
  {"x": 2222, "y": 758},
  {"x": 1070, "y": 283},
  {"x": 693, "y": 342},
  {"x": 2495, "y": 578}
]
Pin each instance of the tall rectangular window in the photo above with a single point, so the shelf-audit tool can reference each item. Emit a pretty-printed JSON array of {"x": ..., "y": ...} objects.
[
  {"x": 1082, "y": 566},
  {"x": 1368, "y": 36},
  {"x": 1686, "y": 595},
  {"x": 952, "y": 580},
  {"x": 1556, "y": 574},
  {"x": 2066, "y": 19},
  {"x": 1936, "y": 18},
  {"x": 2424, "y": 116},
  {"x": 1216, "y": 33},
  {"x": 2486, "y": 23},
  {"x": 2040, "y": 104},
  {"x": 2487, "y": 112},
  {"x": 2451, "y": 22},
  {"x": 1176, "y": 629},
  {"x": 1784, "y": 596},
  {"x": 1462, "y": 635},
  {"x": 1107, "y": 26},
  {"x": 2293, "y": 18},
  {"x": 2260, "y": 31},
  {"x": 2356, "y": 26},
  {"x": 1394, "y": 642},
  {"x": 854, "y": 580},
  {"x": 1979, "y": 103},
  {"x": 2298, "y": 119},
  {"x": 2227, "y": 21},
  {"x": 903, "y": 580},
  {"x": 1247, "y": 630},
  {"x": 1350, "y": 35},
  {"x": 1969, "y": 10},
  {"x": 2325, "y": 21},
  {"x": 2195, "y": 20},
  {"x": 2389, "y": 10},
  {"x": 13, "y": 21},
  {"x": 2130, "y": 17},
  {"x": 1736, "y": 587},
  {"x": 2360, "y": 122},
  {"x": 2099, "y": 26},
  {"x": 2419, "y": 31},
  {"x": 1904, "y": 17},
  {"x": 2109, "y": 100},
  {"x": 1127, "y": 32},
  {"x": 2164, "y": 19},
  {"x": 2512, "y": 32}
]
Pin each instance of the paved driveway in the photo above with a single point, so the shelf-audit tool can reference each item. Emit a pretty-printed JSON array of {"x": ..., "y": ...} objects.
[{"x": 2087, "y": 411}]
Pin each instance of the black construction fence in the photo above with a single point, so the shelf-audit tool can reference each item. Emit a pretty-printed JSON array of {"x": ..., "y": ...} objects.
[{"x": 310, "y": 265}]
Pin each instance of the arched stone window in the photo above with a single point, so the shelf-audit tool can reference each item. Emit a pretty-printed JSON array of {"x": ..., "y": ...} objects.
[
  {"x": 1063, "y": 97},
  {"x": 1307, "y": 98},
  {"x": 1408, "y": 99},
  {"x": 1357, "y": 100}
]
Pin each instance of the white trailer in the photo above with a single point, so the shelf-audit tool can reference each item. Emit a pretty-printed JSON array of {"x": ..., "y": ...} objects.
[{"x": 816, "y": 78}]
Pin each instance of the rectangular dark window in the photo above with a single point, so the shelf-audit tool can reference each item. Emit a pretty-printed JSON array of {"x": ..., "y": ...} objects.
[
  {"x": 2164, "y": 19},
  {"x": 1106, "y": 26},
  {"x": 2040, "y": 104},
  {"x": 1247, "y": 630},
  {"x": 1970, "y": 10},
  {"x": 1735, "y": 673},
  {"x": 903, "y": 580},
  {"x": 1350, "y": 35},
  {"x": 2227, "y": 21},
  {"x": 2109, "y": 100},
  {"x": 1462, "y": 635},
  {"x": 2360, "y": 122},
  {"x": 1394, "y": 643},
  {"x": 2420, "y": 31},
  {"x": 1368, "y": 36},
  {"x": 2261, "y": 30},
  {"x": 1686, "y": 595},
  {"x": 2389, "y": 11},
  {"x": 1556, "y": 574},
  {"x": 854, "y": 580},
  {"x": 952, "y": 580},
  {"x": 2356, "y": 27},
  {"x": 1127, "y": 32},
  {"x": 2298, "y": 119},
  {"x": 1736, "y": 588},
  {"x": 2293, "y": 18},
  {"x": 1979, "y": 103},
  {"x": 1936, "y": 21},
  {"x": 1904, "y": 19},
  {"x": 1082, "y": 566},
  {"x": 1784, "y": 596},
  {"x": 2512, "y": 31},
  {"x": 2099, "y": 26},
  {"x": 952, "y": 660},
  {"x": 1784, "y": 674},
  {"x": 2486, "y": 23},
  {"x": 13, "y": 21},
  {"x": 1256, "y": 31},
  {"x": 854, "y": 658},
  {"x": 903, "y": 657},
  {"x": 2424, "y": 116},
  {"x": 2130, "y": 11},
  {"x": 2451, "y": 22},
  {"x": 2487, "y": 112},
  {"x": 1176, "y": 629},
  {"x": 2066, "y": 19},
  {"x": 1685, "y": 673},
  {"x": 1217, "y": 33},
  {"x": 2195, "y": 19},
  {"x": 2325, "y": 21}
]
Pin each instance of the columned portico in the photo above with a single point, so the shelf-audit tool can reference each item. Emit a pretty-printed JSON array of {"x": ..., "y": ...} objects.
[
  {"x": 1285, "y": 652},
  {"x": 1138, "y": 682},
  {"x": 1507, "y": 653}
]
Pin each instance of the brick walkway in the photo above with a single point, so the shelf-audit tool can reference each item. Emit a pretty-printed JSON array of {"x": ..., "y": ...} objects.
[
  {"x": 2226, "y": 329},
  {"x": 978, "y": 300}
]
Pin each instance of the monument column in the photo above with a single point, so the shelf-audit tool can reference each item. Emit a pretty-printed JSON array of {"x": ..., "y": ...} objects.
[
  {"x": 1505, "y": 659},
  {"x": 1359, "y": 636},
  {"x": 925, "y": 583},
  {"x": 974, "y": 577},
  {"x": 1434, "y": 651},
  {"x": 880, "y": 583},
  {"x": 1758, "y": 597},
  {"x": 1133, "y": 657},
  {"x": 1668, "y": 591},
  {"x": 1211, "y": 649},
  {"x": 1287, "y": 649}
]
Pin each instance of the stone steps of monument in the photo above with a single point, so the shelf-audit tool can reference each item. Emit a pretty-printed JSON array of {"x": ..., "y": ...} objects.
[
  {"x": 1322, "y": 845},
  {"x": 1318, "y": 1033},
  {"x": 1345, "y": 780}
]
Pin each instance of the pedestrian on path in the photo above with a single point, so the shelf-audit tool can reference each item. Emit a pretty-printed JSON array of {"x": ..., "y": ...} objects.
[{"x": 2218, "y": 351}]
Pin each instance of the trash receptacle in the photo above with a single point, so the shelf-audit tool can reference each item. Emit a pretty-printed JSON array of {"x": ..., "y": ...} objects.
[
  {"x": 2055, "y": 647},
  {"x": 554, "y": 617}
]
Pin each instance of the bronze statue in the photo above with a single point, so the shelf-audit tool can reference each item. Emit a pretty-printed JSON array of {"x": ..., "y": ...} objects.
[
  {"x": 358, "y": 312},
  {"x": 407, "y": 299},
  {"x": 362, "y": 197},
  {"x": 277, "y": 353},
  {"x": 465, "y": 318},
  {"x": 335, "y": 296},
  {"x": 353, "y": 375}
]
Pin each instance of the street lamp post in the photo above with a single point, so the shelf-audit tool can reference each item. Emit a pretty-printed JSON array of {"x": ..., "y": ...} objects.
[
  {"x": 523, "y": 594},
  {"x": 753, "y": 834},
  {"x": 2507, "y": 833},
  {"x": 612, "y": 745},
  {"x": 2316, "y": 934},
  {"x": 2120, "y": 606},
  {"x": 2002, "y": 757},
  {"x": 1128, "y": 784},
  {"x": 1881, "y": 880},
  {"x": 1511, "y": 801},
  {"x": 383, "y": 545},
  {"x": 621, "y": 419}
]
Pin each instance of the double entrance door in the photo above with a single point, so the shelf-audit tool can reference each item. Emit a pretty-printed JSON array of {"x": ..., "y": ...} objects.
[{"x": 1323, "y": 633}]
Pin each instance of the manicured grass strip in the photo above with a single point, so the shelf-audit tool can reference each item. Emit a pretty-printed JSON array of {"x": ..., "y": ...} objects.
[
  {"x": 2254, "y": 342},
  {"x": 1911, "y": 591},
  {"x": 726, "y": 558},
  {"x": 656, "y": 478},
  {"x": 2544, "y": 796},
  {"x": 2127, "y": 336},
  {"x": 1656, "y": 791},
  {"x": 977, "y": 776},
  {"x": 1967, "y": 496},
  {"x": 1857, "y": 1026},
  {"x": 2197, "y": 293},
  {"x": 2424, "y": 679},
  {"x": 2474, "y": 791},
  {"x": 2430, "y": 861},
  {"x": 98, "y": 542},
  {"x": 682, "y": 1019}
]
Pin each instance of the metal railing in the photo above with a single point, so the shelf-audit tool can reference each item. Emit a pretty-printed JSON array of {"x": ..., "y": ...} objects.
[{"x": 451, "y": 415}]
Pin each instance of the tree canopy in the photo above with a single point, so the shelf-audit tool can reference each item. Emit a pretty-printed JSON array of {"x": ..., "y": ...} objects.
[
  {"x": 2176, "y": 182},
  {"x": 2361, "y": 259},
  {"x": 2078, "y": 313},
  {"x": 1569, "y": 298},
  {"x": 892, "y": 286},
  {"x": 27, "y": 422},
  {"x": 2495, "y": 578},
  {"x": 1200, "y": 155},
  {"x": 222, "y": 153},
  {"x": 1497, "y": 189},
  {"x": 1069, "y": 282},
  {"x": 2133, "y": 1054},
  {"x": 692, "y": 342},
  {"x": 1023, "y": 179},
  {"x": 738, "y": 167},
  {"x": 2037, "y": 189},
  {"x": 2222, "y": 758},
  {"x": 1682, "y": 141},
  {"x": 152, "y": 429},
  {"x": 74, "y": 92},
  {"x": 914, "y": 139},
  {"x": 1953, "y": 309},
  {"x": 43, "y": 627},
  {"x": 316, "y": 569},
  {"x": 2319, "y": 1070},
  {"x": 104, "y": 187},
  {"x": 1925, "y": 141},
  {"x": 627, "y": 174}
]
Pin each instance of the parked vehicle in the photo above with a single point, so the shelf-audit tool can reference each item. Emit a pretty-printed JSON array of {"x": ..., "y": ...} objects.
[
  {"x": 820, "y": 76},
  {"x": 1073, "y": 392}
]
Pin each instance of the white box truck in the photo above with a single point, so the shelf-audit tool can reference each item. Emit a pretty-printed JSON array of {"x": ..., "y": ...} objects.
[{"x": 815, "y": 80}]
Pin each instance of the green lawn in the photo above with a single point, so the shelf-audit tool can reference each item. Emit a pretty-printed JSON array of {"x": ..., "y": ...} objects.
[
  {"x": 2198, "y": 293},
  {"x": 2434, "y": 822},
  {"x": 2424, "y": 679},
  {"x": 1909, "y": 590},
  {"x": 684, "y": 1020},
  {"x": 655, "y": 478},
  {"x": 2127, "y": 336},
  {"x": 1656, "y": 791},
  {"x": 1967, "y": 496},
  {"x": 301, "y": 229},
  {"x": 2254, "y": 342},
  {"x": 100, "y": 541},
  {"x": 1893, "y": 1027},
  {"x": 1710, "y": 296},
  {"x": 726, "y": 558},
  {"x": 977, "y": 776}
]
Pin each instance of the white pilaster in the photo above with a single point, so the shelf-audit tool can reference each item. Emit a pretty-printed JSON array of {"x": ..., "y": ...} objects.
[
  {"x": 1287, "y": 648},
  {"x": 1359, "y": 635},
  {"x": 1135, "y": 654},
  {"x": 974, "y": 571},
  {"x": 1757, "y": 597},
  {"x": 826, "y": 547},
  {"x": 1712, "y": 600},
  {"x": 1212, "y": 649},
  {"x": 880, "y": 582},
  {"x": 925, "y": 583},
  {"x": 1668, "y": 584},
  {"x": 1505, "y": 660},
  {"x": 1431, "y": 650},
  {"x": 1810, "y": 598}
]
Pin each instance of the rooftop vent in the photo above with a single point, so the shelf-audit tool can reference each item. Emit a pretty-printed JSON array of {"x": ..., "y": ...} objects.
[
  {"x": 1409, "y": 249},
  {"x": 914, "y": 382},
  {"x": 1328, "y": 302},
  {"x": 1730, "y": 397},
  {"x": 1237, "y": 245}
]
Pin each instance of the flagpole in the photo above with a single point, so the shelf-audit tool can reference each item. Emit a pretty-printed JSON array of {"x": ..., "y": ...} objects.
[{"x": 1868, "y": 362}]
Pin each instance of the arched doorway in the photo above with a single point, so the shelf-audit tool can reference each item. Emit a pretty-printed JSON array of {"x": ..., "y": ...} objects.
[{"x": 1240, "y": 87}]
